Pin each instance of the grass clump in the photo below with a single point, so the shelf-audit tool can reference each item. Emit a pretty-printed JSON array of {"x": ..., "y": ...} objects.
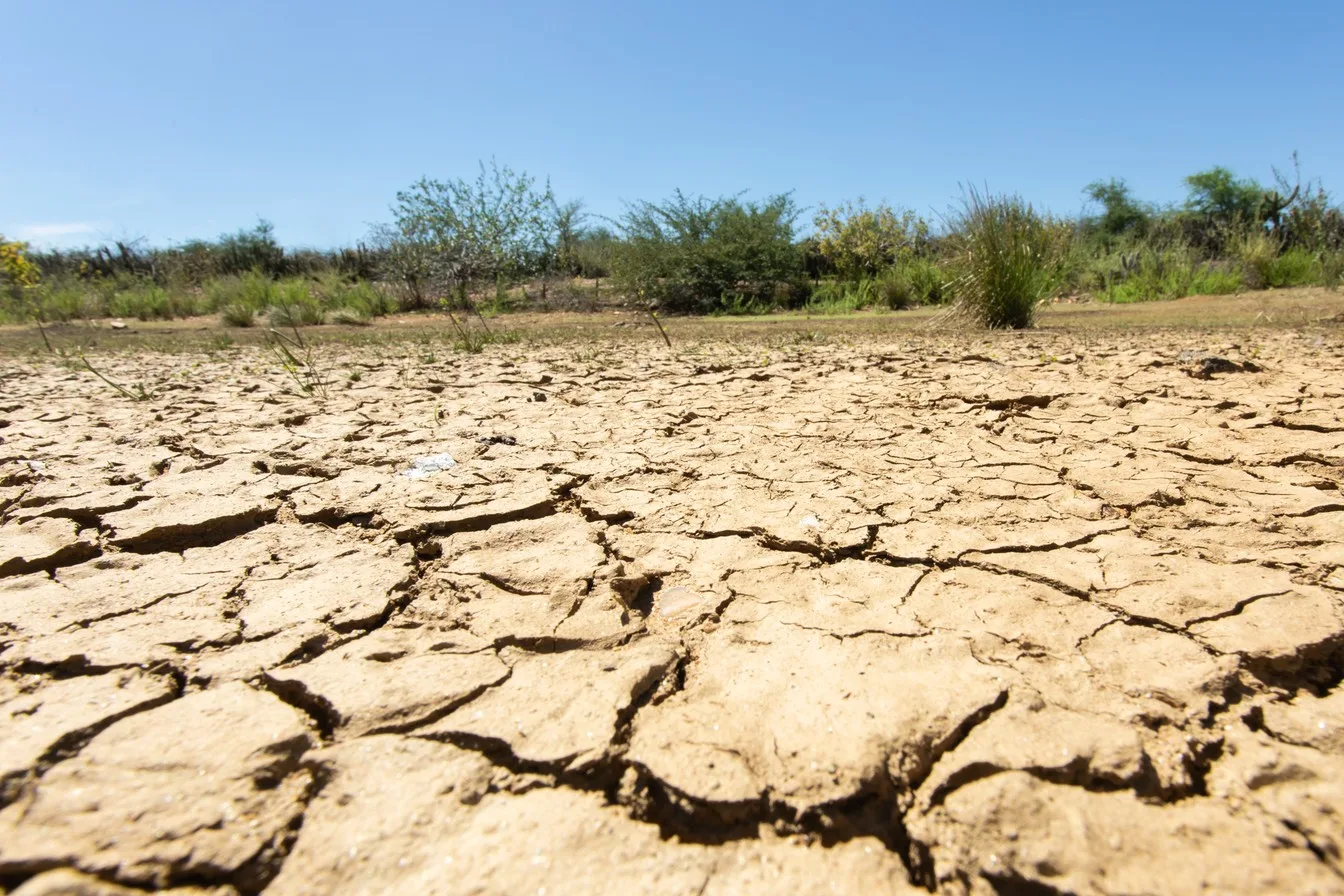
[
  {"x": 62, "y": 302},
  {"x": 913, "y": 282},
  {"x": 351, "y": 317},
  {"x": 1008, "y": 260},
  {"x": 294, "y": 305},
  {"x": 473, "y": 341},
  {"x": 237, "y": 314},
  {"x": 145, "y": 301},
  {"x": 1257, "y": 252},
  {"x": 739, "y": 305},
  {"x": 334, "y": 292}
]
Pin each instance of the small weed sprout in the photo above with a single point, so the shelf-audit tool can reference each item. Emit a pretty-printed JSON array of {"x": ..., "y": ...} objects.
[
  {"x": 139, "y": 393},
  {"x": 296, "y": 355}
]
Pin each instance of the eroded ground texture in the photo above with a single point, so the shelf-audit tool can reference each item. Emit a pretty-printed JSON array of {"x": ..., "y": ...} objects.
[{"x": 1025, "y": 614}]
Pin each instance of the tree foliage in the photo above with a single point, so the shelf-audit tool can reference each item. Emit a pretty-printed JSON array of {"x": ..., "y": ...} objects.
[
  {"x": 496, "y": 228},
  {"x": 860, "y": 242},
  {"x": 1122, "y": 215},
  {"x": 1222, "y": 196}
]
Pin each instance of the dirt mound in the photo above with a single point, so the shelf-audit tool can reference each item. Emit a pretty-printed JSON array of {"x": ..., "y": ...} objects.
[{"x": 1041, "y": 613}]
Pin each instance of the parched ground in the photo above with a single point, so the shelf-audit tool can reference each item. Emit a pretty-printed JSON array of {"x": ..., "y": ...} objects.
[{"x": 1026, "y": 613}]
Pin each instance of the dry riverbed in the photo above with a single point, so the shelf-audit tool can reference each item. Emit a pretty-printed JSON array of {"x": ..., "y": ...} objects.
[{"x": 1043, "y": 612}]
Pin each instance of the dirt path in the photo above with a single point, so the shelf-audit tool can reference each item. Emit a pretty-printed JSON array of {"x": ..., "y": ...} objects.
[{"x": 1038, "y": 613}]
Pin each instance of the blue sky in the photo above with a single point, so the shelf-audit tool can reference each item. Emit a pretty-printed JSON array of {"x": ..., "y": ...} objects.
[{"x": 179, "y": 119}]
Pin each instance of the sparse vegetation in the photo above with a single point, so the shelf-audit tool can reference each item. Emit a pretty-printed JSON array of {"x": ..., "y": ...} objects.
[{"x": 503, "y": 242}]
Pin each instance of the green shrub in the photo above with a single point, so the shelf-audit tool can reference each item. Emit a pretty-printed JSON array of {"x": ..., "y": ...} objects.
[
  {"x": 690, "y": 255},
  {"x": 1008, "y": 260},
  {"x": 63, "y": 302},
  {"x": 142, "y": 301},
  {"x": 1296, "y": 267},
  {"x": 858, "y": 242},
  {"x": 1332, "y": 269},
  {"x": 928, "y": 282}
]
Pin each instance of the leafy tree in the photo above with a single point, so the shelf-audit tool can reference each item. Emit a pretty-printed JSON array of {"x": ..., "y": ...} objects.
[
  {"x": 250, "y": 250},
  {"x": 1122, "y": 214},
  {"x": 700, "y": 254},
  {"x": 859, "y": 242},
  {"x": 567, "y": 226},
  {"x": 1222, "y": 196},
  {"x": 560, "y": 238},
  {"x": 496, "y": 228},
  {"x": 405, "y": 261}
]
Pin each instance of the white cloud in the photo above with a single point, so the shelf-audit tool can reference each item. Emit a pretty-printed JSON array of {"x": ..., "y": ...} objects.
[{"x": 37, "y": 232}]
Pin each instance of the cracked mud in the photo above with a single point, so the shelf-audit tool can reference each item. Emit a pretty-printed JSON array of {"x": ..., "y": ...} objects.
[{"x": 1038, "y": 613}]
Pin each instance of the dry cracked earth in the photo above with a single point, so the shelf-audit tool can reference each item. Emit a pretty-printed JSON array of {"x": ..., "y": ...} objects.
[{"x": 1037, "y": 614}]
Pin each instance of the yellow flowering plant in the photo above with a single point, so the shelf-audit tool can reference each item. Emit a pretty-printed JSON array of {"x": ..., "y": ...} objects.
[{"x": 15, "y": 267}]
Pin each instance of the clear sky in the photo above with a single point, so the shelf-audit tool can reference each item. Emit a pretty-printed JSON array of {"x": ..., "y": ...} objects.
[{"x": 182, "y": 118}]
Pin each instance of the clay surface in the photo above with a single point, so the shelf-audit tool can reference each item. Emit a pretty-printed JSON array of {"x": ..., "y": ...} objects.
[{"x": 1039, "y": 613}]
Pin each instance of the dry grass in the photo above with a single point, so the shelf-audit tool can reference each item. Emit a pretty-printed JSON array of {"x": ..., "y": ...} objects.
[{"x": 1283, "y": 308}]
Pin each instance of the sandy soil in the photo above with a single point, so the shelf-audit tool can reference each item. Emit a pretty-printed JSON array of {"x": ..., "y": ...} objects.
[{"x": 1038, "y": 613}]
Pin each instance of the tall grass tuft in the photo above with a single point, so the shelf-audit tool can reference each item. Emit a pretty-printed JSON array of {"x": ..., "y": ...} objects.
[
  {"x": 294, "y": 305},
  {"x": 1257, "y": 250},
  {"x": 1008, "y": 260},
  {"x": 237, "y": 314}
]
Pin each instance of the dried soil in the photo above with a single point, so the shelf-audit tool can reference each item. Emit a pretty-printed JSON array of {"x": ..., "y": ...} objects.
[{"x": 1041, "y": 613}]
